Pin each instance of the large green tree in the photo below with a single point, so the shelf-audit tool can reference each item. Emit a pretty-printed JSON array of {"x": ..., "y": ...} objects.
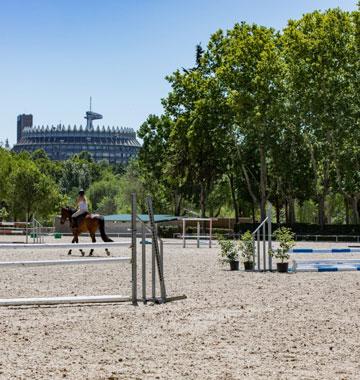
[
  {"x": 246, "y": 60},
  {"x": 320, "y": 71}
]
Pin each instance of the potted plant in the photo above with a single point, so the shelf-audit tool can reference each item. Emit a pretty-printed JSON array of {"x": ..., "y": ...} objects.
[
  {"x": 229, "y": 253},
  {"x": 246, "y": 248},
  {"x": 285, "y": 237}
]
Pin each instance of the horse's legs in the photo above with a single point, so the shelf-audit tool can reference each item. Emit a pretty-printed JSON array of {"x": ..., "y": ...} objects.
[
  {"x": 72, "y": 241},
  {"x": 92, "y": 235},
  {"x": 91, "y": 252}
]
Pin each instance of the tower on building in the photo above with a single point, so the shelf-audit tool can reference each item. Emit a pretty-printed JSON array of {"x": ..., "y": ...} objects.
[{"x": 23, "y": 121}]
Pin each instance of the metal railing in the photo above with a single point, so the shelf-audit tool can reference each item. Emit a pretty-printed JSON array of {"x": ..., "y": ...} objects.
[
  {"x": 261, "y": 238},
  {"x": 37, "y": 231}
]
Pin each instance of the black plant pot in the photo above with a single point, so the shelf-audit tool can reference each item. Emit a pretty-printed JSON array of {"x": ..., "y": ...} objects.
[
  {"x": 248, "y": 265},
  {"x": 282, "y": 267},
  {"x": 234, "y": 265}
]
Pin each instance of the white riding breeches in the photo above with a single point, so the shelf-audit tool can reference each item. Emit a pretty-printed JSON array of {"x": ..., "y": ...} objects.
[{"x": 78, "y": 213}]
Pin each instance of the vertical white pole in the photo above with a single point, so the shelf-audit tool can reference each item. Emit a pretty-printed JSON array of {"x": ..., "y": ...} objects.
[
  {"x": 161, "y": 254},
  {"x": 198, "y": 234},
  {"x": 269, "y": 235},
  {"x": 184, "y": 228},
  {"x": 210, "y": 233},
  {"x": 27, "y": 232},
  {"x": 156, "y": 248},
  {"x": 143, "y": 262},
  {"x": 264, "y": 246},
  {"x": 133, "y": 249},
  {"x": 258, "y": 249},
  {"x": 153, "y": 272}
]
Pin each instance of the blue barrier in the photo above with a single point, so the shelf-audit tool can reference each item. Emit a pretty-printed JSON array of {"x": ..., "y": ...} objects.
[{"x": 325, "y": 250}]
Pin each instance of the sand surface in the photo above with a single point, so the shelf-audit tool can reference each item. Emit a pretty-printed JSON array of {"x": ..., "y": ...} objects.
[{"x": 233, "y": 325}]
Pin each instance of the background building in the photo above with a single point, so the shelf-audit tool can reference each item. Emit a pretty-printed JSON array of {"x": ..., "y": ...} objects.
[
  {"x": 115, "y": 145},
  {"x": 23, "y": 121}
]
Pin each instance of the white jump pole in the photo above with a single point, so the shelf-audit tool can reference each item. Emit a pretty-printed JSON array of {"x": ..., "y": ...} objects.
[
  {"x": 210, "y": 233},
  {"x": 133, "y": 250},
  {"x": 84, "y": 261},
  {"x": 143, "y": 262},
  {"x": 50, "y": 246},
  {"x": 198, "y": 234},
  {"x": 184, "y": 228},
  {"x": 62, "y": 300}
]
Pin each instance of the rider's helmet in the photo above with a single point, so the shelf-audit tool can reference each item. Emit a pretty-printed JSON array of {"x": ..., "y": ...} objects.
[{"x": 81, "y": 192}]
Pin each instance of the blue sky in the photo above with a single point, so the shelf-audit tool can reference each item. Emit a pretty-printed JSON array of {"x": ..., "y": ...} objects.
[{"x": 56, "y": 53}]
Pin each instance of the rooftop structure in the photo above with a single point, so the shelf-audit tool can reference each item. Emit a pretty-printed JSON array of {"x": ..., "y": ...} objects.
[{"x": 113, "y": 144}]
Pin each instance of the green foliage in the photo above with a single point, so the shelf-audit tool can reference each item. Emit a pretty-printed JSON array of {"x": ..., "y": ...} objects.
[
  {"x": 107, "y": 187},
  {"x": 228, "y": 251},
  {"x": 3, "y": 213},
  {"x": 246, "y": 246},
  {"x": 285, "y": 237},
  {"x": 31, "y": 192}
]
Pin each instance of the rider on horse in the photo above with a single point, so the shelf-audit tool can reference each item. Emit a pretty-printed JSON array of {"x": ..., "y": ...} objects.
[{"x": 82, "y": 207}]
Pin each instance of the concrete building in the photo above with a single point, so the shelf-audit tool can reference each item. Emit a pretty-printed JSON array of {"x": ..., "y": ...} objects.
[{"x": 113, "y": 144}]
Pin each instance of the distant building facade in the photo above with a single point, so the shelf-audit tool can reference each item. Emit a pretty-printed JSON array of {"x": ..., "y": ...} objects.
[{"x": 115, "y": 145}]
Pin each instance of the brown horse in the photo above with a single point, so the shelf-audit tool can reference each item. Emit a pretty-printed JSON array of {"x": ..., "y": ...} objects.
[{"x": 85, "y": 223}]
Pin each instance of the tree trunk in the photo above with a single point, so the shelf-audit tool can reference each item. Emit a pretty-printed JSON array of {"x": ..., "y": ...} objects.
[
  {"x": 263, "y": 197},
  {"x": 355, "y": 212},
  {"x": 253, "y": 212},
  {"x": 286, "y": 212},
  {"x": 347, "y": 213},
  {"x": 277, "y": 211},
  {"x": 202, "y": 200},
  {"x": 233, "y": 197},
  {"x": 292, "y": 216},
  {"x": 178, "y": 199},
  {"x": 321, "y": 211}
]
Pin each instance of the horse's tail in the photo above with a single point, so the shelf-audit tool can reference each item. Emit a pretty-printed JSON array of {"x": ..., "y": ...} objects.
[{"x": 104, "y": 237}]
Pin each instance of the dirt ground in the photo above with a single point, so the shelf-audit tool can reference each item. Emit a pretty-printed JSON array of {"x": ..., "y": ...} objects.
[{"x": 233, "y": 325}]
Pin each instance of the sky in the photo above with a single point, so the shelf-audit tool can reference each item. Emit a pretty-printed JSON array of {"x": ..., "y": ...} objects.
[{"x": 55, "y": 54}]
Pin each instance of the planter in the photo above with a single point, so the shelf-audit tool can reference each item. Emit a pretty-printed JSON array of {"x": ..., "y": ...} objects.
[
  {"x": 282, "y": 267},
  {"x": 234, "y": 265},
  {"x": 248, "y": 265}
]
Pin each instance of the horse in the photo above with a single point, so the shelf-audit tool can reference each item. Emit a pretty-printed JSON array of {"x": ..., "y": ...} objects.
[{"x": 85, "y": 223}]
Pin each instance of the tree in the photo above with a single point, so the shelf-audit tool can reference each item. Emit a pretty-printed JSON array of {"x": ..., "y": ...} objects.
[
  {"x": 247, "y": 61},
  {"x": 76, "y": 174},
  {"x": 107, "y": 188},
  {"x": 31, "y": 192},
  {"x": 320, "y": 73},
  {"x": 198, "y": 137}
]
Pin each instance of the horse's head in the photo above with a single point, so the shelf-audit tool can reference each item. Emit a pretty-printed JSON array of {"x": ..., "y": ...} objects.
[{"x": 66, "y": 213}]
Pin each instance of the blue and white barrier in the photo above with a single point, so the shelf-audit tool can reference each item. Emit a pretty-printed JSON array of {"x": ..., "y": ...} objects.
[
  {"x": 325, "y": 250},
  {"x": 330, "y": 265}
]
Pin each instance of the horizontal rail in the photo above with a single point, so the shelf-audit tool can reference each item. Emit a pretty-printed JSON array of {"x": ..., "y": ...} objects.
[
  {"x": 39, "y": 263},
  {"x": 62, "y": 300},
  {"x": 327, "y": 261},
  {"x": 62, "y": 245}
]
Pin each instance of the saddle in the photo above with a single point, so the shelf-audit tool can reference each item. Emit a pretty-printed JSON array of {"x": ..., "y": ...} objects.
[{"x": 77, "y": 220}]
